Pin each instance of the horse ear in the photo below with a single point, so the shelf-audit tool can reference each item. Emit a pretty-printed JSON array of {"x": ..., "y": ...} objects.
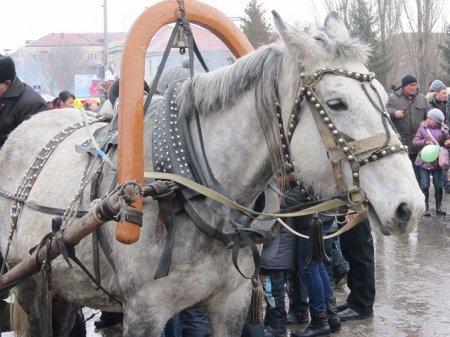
[
  {"x": 295, "y": 39},
  {"x": 336, "y": 27}
]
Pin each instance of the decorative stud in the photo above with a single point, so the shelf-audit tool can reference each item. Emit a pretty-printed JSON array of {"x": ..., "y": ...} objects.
[
  {"x": 374, "y": 157},
  {"x": 383, "y": 153},
  {"x": 350, "y": 157},
  {"x": 340, "y": 140},
  {"x": 326, "y": 119},
  {"x": 355, "y": 175},
  {"x": 321, "y": 112},
  {"x": 345, "y": 149}
]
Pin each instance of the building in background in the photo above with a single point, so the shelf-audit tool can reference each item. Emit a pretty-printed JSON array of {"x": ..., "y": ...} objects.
[{"x": 57, "y": 62}]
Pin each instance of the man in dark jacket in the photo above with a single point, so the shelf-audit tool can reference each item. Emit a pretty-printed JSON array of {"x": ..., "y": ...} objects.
[
  {"x": 18, "y": 101},
  {"x": 408, "y": 108}
]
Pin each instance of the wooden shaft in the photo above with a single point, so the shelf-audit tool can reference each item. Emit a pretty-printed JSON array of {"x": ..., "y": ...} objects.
[
  {"x": 72, "y": 235},
  {"x": 131, "y": 152}
]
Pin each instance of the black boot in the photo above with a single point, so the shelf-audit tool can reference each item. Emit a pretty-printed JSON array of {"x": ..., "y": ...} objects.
[
  {"x": 333, "y": 319},
  {"x": 427, "y": 205},
  {"x": 318, "y": 326},
  {"x": 438, "y": 192}
]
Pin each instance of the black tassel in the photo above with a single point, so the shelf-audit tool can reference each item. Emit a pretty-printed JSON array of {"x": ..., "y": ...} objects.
[
  {"x": 255, "y": 310},
  {"x": 316, "y": 251}
]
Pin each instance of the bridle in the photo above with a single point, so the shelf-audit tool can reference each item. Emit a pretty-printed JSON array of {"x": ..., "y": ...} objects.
[{"x": 357, "y": 152}]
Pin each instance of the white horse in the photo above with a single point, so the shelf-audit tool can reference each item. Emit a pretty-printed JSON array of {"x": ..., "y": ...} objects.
[{"x": 237, "y": 107}]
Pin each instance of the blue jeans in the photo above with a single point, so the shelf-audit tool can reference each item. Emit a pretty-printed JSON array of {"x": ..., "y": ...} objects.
[
  {"x": 276, "y": 317},
  {"x": 194, "y": 322},
  {"x": 173, "y": 327},
  {"x": 425, "y": 178},
  {"x": 314, "y": 276}
]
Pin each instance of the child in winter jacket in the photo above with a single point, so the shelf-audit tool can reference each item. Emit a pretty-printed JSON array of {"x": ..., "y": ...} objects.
[{"x": 431, "y": 131}]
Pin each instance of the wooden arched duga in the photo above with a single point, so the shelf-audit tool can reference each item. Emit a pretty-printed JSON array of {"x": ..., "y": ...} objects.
[{"x": 131, "y": 153}]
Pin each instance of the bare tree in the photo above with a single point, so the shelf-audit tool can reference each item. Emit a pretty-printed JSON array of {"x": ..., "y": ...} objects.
[
  {"x": 421, "y": 44},
  {"x": 389, "y": 13},
  {"x": 60, "y": 65},
  {"x": 342, "y": 7}
]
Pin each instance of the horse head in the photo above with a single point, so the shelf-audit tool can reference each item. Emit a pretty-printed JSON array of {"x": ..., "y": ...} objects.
[{"x": 334, "y": 113}]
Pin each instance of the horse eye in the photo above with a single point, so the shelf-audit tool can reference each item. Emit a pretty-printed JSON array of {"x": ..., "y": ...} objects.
[{"x": 337, "y": 104}]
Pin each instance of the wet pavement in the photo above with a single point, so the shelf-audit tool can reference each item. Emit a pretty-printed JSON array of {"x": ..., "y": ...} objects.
[{"x": 412, "y": 284}]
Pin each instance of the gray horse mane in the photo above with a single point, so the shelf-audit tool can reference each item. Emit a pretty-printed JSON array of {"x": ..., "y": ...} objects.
[{"x": 222, "y": 88}]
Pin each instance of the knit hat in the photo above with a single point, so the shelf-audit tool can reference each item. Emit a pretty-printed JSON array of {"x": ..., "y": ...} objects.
[
  {"x": 7, "y": 68},
  {"x": 436, "y": 86},
  {"x": 436, "y": 115},
  {"x": 408, "y": 79},
  {"x": 173, "y": 74}
]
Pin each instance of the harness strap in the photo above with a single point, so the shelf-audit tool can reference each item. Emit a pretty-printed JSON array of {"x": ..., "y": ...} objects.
[
  {"x": 241, "y": 239},
  {"x": 166, "y": 207},
  {"x": 349, "y": 225},
  {"x": 330, "y": 204}
]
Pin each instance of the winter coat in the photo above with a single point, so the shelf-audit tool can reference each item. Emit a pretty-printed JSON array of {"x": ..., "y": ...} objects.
[
  {"x": 17, "y": 104},
  {"x": 439, "y": 133},
  {"x": 416, "y": 112},
  {"x": 279, "y": 254}
]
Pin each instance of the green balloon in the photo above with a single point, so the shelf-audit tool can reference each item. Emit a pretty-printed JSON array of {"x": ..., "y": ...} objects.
[{"x": 430, "y": 153}]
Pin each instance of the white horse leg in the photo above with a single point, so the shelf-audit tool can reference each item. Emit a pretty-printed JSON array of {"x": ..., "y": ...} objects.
[
  {"x": 142, "y": 320},
  {"x": 227, "y": 311}
]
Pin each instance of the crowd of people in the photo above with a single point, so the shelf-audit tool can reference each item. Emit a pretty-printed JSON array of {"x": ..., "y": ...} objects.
[{"x": 419, "y": 119}]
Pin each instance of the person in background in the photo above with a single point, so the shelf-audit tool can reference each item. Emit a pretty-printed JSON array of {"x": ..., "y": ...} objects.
[
  {"x": 438, "y": 98},
  {"x": 337, "y": 267},
  {"x": 18, "y": 101},
  {"x": 298, "y": 298},
  {"x": 103, "y": 91},
  {"x": 64, "y": 100},
  {"x": 322, "y": 302},
  {"x": 277, "y": 260},
  {"x": 408, "y": 108},
  {"x": 432, "y": 131},
  {"x": 357, "y": 248}
]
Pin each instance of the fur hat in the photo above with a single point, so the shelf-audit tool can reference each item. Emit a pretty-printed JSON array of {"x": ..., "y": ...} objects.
[
  {"x": 436, "y": 115},
  {"x": 173, "y": 74},
  {"x": 408, "y": 79},
  {"x": 437, "y": 86},
  {"x": 7, "y": 68}
]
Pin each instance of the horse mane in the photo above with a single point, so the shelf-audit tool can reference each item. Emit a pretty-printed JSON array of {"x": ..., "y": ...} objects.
[{"x": 222, "y": 88}]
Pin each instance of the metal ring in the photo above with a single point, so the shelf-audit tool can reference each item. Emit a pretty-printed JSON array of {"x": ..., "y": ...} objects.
[{"x": 358, "y": 190}]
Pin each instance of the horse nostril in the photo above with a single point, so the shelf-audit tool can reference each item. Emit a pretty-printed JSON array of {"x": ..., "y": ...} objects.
[{"x": 403, "y": 214}]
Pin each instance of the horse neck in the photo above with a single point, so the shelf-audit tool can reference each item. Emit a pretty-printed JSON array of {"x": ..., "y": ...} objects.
[{"x": 236, "y": 150}]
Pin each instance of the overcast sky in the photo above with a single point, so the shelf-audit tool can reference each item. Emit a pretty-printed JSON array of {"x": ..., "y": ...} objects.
[{"x": 30, "y": 20}]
